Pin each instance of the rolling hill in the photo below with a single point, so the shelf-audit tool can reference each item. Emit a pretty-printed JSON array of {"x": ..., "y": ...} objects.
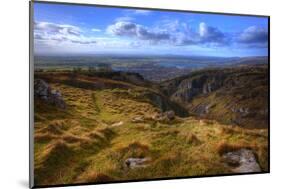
[{"x": 117, "y": 126}]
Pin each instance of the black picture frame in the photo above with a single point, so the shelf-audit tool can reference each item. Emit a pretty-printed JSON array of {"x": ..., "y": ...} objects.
[{"x": 31, "y": 107}]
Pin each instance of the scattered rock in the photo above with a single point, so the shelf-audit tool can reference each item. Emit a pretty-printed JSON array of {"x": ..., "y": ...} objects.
[
  {"x": 138, "y": 119},
  {"x": 43, "y": 91},
  {"x": 41, "y": 88},
  {"x": 170, "y": 114},
  {"x": 202, "y": 109},
  {"x": 117, "y": 124},
  {"x": 242, "y": 161},
  {"x": 241, "y": 111},
  {"x": 156, "y": 116},
  {"x": 137, "y": 162},
  {"x": 165, "y": 116},
  {"x": 55, "y": 97}
]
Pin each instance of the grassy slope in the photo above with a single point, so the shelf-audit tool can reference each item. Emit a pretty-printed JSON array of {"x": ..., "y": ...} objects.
[
  {"x": 81, "y": 143},
  {"x": 241, "y": 87}
]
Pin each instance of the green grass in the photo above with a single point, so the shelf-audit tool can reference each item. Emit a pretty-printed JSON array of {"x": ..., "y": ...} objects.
[{"x": 79, "y": 144}]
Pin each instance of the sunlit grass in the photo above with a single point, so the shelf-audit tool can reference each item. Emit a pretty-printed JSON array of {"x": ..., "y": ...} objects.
[{"x": 80, "y": 143}]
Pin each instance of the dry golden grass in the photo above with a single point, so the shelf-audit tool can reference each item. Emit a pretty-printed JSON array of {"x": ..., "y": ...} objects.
[
  {"x": 44, "y": 137},
  {"x": 69, "y": 138},
  {"x": 79, "y": 145},
  {"x": 224, "y": 147},
  {"x": 192, "y": 139},
  {"x": 94, "y": 177},
  {"x": 53, "y": 159},
  {"x": 135, "y": 149}
]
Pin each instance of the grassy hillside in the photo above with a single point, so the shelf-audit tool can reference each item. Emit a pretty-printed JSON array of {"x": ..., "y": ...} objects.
[
  {"x": 107, "y": 121},
  {"x": 232, "y": 95}
]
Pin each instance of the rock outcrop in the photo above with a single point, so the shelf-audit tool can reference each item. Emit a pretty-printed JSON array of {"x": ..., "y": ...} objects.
[
  {"x": 43, "y": 91},
  {"x": 242, "y": 161},
  {"x": 202, "y": 84},
  {"x": 232, "y": 95},
  {"x": 137, "y": 162},
  {"x": 165, "y": 104},
  {"x": 164, "y": 116}
]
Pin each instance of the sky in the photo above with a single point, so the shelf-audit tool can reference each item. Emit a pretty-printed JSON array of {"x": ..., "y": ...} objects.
[{"x": 61, "y": 29}]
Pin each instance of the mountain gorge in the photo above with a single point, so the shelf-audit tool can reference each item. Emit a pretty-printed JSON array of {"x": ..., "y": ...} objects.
[{"x": 232, "y": 95}]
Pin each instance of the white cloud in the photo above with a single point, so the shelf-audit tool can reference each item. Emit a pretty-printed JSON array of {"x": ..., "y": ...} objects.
[
  {"x": 130, "y": 29},
  {"x": 125, "y": 19},
  {"x": 56, "y": 28},
  {"x": 96, "y": 30},
  {"x": 170, "y": 32},
  {"x": 52, "y": 38},
  {"x": 142, "y": 12},
  {"x": 254, "y": 34},
  {"x": 209, "y": 34},
  {"x": 52, "y": 33}
]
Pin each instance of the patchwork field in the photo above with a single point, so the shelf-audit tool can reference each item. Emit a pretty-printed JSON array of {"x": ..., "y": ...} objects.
[{"x": 111, "y": 130}]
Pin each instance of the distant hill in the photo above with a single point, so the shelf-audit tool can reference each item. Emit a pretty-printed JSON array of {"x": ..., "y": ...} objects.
[{"x": 152, "y": 68}]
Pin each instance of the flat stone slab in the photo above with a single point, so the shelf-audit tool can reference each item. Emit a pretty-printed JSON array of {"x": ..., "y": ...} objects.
[
  {"x": 136, "y": 162},
  {"x": 242, "y": 161},
  {"x": 117, "y": 124}
]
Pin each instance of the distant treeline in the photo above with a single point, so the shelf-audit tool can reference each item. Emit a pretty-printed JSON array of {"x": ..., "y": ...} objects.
[{"x": 79, "y": 69}]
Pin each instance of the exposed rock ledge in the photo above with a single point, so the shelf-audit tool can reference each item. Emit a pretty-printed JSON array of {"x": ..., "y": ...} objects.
[
  {"x": 43, "y": 91},
  {"x": 137, "y": 162},
  {"x": 242, "y": 161}
]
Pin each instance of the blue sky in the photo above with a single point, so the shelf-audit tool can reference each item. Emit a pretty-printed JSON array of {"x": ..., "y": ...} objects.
[{"x": 67, "y": 29}]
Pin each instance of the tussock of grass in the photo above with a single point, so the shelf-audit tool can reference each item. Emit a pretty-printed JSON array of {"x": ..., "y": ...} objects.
[
  {"x": 172, "y": 132},
  {"x": 97, "y": 136},
  {"x": 97, "y": 139},
  {"x": 95, "y": 177},
  {"x": 55, "y": 127},
  {"x": 257, "y": 133},
  {"x": 56, "y": 152},
  {"x": 262, "y": 154},
  {"x": 55, "y": 157},
  {"x": 232, "y": 130},
  {"x": 107, "y": 132},
  {"x": 191, "y": 138},
  {"x": 90, "y": 145},
  {"x": 142, "y": 127},
  {"x": 229, "y": 130},
  {"x": 167, "y": 162},
  {"x": 224, "y": 147},
  {"x": 39, "y": 118},
  {"x": 69, "y": 138},
  {"x": 135, "y": 150},
  {"x": 44, "y": 137},
  {"x": 209, "y": 122}
]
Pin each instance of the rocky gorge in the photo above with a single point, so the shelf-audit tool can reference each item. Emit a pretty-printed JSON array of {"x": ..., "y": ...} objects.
[{"x": 235, "y": 95}]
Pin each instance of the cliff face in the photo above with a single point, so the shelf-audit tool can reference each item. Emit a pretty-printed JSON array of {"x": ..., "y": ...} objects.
[
  {"x": 234, "y": 96},
  {"x": 201, "y": 84}
]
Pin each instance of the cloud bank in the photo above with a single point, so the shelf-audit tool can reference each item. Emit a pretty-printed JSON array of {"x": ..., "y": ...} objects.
[
  {"x": 51, "y": 32},
  {"x": 172, "y": 33},
  {"x": 254, "y": 37},
  {"x": 125, "y": 32},
  {"x": 130, "y": 29}
]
